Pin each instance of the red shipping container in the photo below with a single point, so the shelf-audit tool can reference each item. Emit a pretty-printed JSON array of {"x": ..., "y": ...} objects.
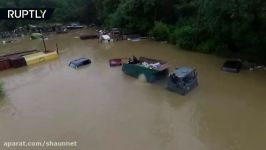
[
  {"x": 22, "y": 53},
  {"x": 4, "y": 64},
  {"x": 17, "y": 61},
  {"x": 115, "y": 62}
]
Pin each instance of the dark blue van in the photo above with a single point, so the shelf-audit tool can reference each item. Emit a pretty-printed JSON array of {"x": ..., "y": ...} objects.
[
  {"x": 182, "y": 80},
  {"x": 79, "y": 62}
]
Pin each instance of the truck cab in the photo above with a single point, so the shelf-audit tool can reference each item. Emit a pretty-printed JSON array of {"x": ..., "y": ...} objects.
[{"x": 182, "y": 80}]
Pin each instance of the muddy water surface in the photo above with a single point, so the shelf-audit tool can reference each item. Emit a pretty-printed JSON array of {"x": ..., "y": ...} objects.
[{"x": 101, "y": 108}]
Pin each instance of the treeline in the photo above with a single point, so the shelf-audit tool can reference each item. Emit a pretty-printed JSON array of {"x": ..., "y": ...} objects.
[{"x": 231, "y": 28}]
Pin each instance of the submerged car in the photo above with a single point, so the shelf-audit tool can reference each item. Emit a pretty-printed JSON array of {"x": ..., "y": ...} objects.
[
  {"x": 182, "y": 80},
  {"x": 115, "y": 62},
  {"x": 34, "y": 36},
  {"x": 74, "y": 26},
  {"x": 79, "y": 62},
  {"x": 232, "y": 66},
  {"x": 87, "y": 37},
  {"x": 105, "y": 39}
]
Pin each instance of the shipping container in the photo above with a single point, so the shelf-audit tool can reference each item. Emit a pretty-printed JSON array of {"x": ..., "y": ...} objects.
[
  {"x": 4, "y": 63},
  {"x": 22, "y": 53},
  {"x": 40, "y": 57},
  {"x": 17, "y": 61}
]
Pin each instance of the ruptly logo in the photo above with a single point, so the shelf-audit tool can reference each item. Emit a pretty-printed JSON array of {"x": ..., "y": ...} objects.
[{"x": 26, "y": 13}]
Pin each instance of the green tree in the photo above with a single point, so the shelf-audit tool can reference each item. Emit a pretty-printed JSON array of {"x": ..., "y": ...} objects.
[{"x": 160, "y": 31}]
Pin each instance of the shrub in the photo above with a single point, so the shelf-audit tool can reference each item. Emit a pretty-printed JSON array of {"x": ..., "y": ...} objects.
[
  {"x": 206, "y": 46},
  {"x": 184, "y": 37},
  {"x": 173, "y": 36},
  {"x": 223, "y": 50},
  {"x": 160, "y": 31}
]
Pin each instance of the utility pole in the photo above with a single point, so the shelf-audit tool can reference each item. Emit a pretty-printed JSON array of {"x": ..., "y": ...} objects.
[{"x": 45, "y": 50}]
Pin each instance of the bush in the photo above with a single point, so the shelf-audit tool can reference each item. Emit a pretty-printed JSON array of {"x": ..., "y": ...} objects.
[
  {"x": 160, "y": 31},
  {"x": 206, "y": 46},
  {"x": 173, "y": 36},
  {"x": 184, "y": 37},
  {"x": 223, "y": 50}
]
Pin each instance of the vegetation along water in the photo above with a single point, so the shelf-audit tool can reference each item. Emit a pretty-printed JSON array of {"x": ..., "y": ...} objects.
[{"x": 231, "y": 28}]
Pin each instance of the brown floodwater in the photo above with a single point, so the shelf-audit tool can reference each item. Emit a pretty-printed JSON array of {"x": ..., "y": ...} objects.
[{"x": 101, "y": 108}]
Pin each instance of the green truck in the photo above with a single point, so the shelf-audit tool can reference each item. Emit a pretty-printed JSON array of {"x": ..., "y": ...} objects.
[{"x": 152, "y": 69}]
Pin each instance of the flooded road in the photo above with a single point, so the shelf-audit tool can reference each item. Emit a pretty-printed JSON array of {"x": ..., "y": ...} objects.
[{"x": 103, "y": 109}]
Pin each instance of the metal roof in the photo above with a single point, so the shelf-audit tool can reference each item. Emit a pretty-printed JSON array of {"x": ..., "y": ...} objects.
[
  {"x": 78, "y": 61},
  {"x": 183, "y": 71}
]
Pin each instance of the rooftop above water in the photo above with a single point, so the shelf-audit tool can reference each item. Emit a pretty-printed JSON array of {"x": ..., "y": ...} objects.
[{"x": 183, "y": 71}]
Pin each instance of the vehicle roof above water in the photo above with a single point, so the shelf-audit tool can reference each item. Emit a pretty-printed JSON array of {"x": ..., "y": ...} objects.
[
  {"x": 182, "y": 72},
  {"x": 79, "y": 60},
  {"x": 232, "y": 63},
  {"x": 106, "y": 37}
]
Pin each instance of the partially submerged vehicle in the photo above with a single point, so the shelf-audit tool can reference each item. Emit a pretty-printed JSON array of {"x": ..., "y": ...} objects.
[
  {"x": 182, "y": 80},
  {"x": 74, "y": 26},
  {"x": 61, "y": 30},
  {"x": 86, "y": 37},
  {"x": 152, "y": 69},
  {"x": 105, "y": 39},
  {"x": 34, "y": 36},
  {"x": 134, "y": 38},
  {"x": 79, "y": 62},
  {"x": 116, "y": 34},
  {"x": 232, "y": 66},
  {"x": 115, "y": 62},
  {"x": 8, "y": 41}
]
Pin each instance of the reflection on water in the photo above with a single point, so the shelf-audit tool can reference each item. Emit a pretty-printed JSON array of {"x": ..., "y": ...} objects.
[
  {"x": 7, "y": 110},
  {"x": 2, "y": 102},
  {"x": 100, "y": 107}
]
